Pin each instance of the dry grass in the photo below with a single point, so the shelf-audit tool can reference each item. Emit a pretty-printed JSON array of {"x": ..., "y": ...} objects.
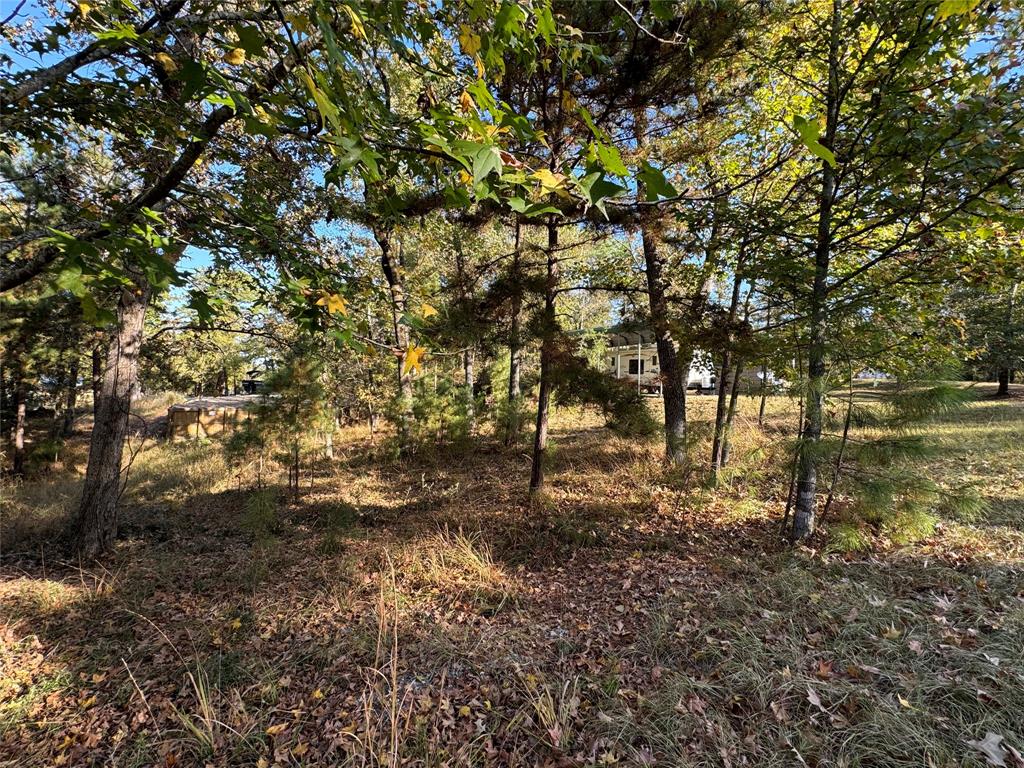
[{"x": 427, "y": 612}]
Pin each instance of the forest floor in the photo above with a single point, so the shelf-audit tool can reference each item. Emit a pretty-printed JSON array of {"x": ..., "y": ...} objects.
[{"x": 426, "y": 612}]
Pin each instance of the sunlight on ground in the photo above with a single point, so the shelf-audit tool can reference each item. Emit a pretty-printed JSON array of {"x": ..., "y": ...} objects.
[{"x": 431, "y": 611}]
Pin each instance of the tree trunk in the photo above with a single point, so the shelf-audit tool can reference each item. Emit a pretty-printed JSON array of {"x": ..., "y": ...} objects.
[
  {"x": 470, "y": 383},
  {"x": 514, "y": 352},
  {"x": 764, "y": 374},
  {"x": 547, "y": 353},
  {"x": 717, "y": 448},
  {"x": 1004, "y": 382},
  {"x": 20, "y": 407},
  {"x": 392, "y": 273},
  {"x": 97, "y": 376},
  {"x": 674, "y": 366},
  {"x": 720, "y": 406},
  {"x": 730, "y": 417},
  {"x": 72, "y": 397},
  {"x": 674, "y": 371},
  {"x": 807, "y": 478},
  {"x": 97, "y": 511}
]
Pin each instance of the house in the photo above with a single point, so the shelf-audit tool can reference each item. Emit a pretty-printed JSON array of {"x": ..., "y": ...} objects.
[
  {"x": 203, "y": 417},
  {"x": 633, "y": 354}
]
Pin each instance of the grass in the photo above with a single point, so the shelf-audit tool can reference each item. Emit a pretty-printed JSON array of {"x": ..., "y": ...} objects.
[{"x": 428, "y": 612}]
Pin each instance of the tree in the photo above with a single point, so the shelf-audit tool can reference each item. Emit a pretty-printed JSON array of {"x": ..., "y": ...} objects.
[{"x": 878, "y": 200}]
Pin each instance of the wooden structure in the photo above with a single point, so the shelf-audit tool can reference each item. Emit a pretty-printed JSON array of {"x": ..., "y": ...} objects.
[{"x": 208, "y": 416}]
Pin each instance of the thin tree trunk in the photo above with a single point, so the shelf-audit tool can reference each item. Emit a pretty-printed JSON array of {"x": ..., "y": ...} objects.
[
  {"x": 468, "y": 356},
  {"x": 20, "y": 407},
  {"x": 724, "y": 379},
  {"x": 547, "y": 352},
  {"x": 838, "y": 469},
  {"x": 97, "y": 376},
  {"x": 392, "y": 273},
  {"x": 730, "y": 417},
  {"x": 514, "y": 351},
  {"x": 807, "y": 481},
  {"x": 97, "y": 511},
  {"x": 793, "y": 468},
  {"x": 1005, "y": 375},
  {"x": 72, "y": 397},
  {"x": 764, "y": 374}
]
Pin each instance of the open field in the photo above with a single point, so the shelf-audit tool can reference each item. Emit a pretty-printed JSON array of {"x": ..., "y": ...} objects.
[{"x": 427, "y": 613}]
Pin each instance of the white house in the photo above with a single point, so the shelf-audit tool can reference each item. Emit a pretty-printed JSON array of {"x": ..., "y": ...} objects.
[{"x": 633, "y": 355}]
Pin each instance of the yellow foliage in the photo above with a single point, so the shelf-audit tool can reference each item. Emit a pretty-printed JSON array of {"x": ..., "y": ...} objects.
[
  {"x": 469, "y": 41},
  {"x": 169, "y": 64},
  {"x": 335, "y": 303},
  {"x": 549, "y": 182},
  {"x": 358, "y": 30},
  {"x": 413, "y": 359},
  {"x": 235, "y": 57}
]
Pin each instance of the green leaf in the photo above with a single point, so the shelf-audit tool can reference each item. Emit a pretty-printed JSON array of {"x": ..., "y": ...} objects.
[
  {"x": 250, "y": 40},
  {"x": 808, "y": 130},
  {"x": 955, "y": 8},
  {"x": 517, "y": 204},
  {"x": 655, "y": 183},
  {"x": 70, "y": 279},
  {"x": 611, "y": 160},
  {"x": 545, "y": 22},
  {"x": 598, "y": 189},
  {"x": 117, "y": 33}
]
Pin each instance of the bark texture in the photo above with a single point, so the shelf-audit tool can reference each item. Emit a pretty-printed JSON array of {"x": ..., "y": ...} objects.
[
  {"x": 97, "y": 511},
  {"x": 547, "y": 353}
]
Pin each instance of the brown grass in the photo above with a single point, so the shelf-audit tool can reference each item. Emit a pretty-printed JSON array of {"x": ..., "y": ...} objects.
[{"x": 428, "y": 612}]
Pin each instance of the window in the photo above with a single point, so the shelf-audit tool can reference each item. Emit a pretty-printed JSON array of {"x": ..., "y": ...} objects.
[
  {"x": 654, "y": 361},
  {"x": 634, "y": 364}
]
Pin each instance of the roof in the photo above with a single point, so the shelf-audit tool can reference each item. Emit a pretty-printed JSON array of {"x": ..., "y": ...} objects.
[{"x": 238, "y": 402}]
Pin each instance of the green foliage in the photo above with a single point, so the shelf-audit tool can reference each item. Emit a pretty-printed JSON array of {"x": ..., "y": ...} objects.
[
  {"x": 624, "y": 408},
  {"x": 261, "y": 519}
]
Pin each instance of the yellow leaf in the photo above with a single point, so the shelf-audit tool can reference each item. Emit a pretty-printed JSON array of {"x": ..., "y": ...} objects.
[
  {"x": 413, "y": 359},
  {"x": 300, "y": 749},
  {"x": 170, "y": 65},
  {"x": 235, "y": 57},
  {"x": 235, "y": 623},
  {"x": 480, "y": 71},
  {"x": 955, "y": 8},
  {"x": 466, "y": 102},
  {"x": 84, "y": 8},
  {"x": 261, "y": 114},
  {"x": 358, "y": 30},
  {"x": 427, "y": 311},
  {"x": 549, "y": 181},
  {"x": 333, "y": 302},
  {"x": 469, "y": 41},
  {"x": 276, "y": 730},
  {"x": 465, "y": 178},
  {"x": 318, "y": 694},
  {"x": 904, "y": 702},
  {"x": 465, "y": 711}
]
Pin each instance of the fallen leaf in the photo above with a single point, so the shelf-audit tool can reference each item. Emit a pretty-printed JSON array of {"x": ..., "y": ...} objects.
[{"x": 992, "y": 748}]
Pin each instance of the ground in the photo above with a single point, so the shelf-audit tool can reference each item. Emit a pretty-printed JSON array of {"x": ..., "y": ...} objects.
[{"x": 427, "y": 612}]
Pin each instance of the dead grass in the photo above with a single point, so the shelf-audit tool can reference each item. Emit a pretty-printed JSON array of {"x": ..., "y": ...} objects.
[{"x": 428, "y": 613}]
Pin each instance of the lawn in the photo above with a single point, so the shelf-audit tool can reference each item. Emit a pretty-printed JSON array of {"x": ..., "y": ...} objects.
[{"x": 427, "y": 612}]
